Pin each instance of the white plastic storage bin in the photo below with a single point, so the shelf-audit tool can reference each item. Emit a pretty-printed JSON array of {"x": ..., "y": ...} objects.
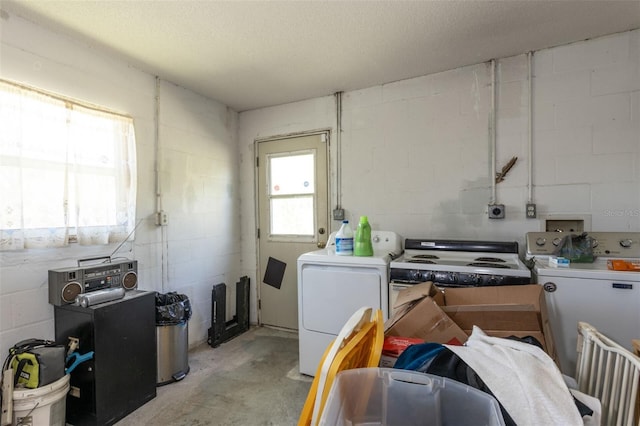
[{"x": 387, "y": 396}]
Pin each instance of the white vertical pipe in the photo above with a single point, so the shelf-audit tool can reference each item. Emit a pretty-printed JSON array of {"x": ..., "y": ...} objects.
[
  {"x": 530, "y": 128},
  {"x": 338, "y": 149},
  {"x": 156, "y": 137},
  {"x": 157, "y": 160},
  {"x": 492, "y": 132}
]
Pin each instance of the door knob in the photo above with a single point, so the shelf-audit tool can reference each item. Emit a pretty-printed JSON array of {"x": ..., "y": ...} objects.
[{"x": 321, "y": 244}]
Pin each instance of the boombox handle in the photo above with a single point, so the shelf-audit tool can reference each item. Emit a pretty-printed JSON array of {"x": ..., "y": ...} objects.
[{"x": 93, "y": 258}]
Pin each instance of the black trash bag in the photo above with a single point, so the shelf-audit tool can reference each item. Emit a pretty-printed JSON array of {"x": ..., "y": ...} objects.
[{"x": 172, "y": 308}]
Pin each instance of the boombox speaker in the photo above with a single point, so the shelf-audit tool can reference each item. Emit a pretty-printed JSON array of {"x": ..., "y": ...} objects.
[
  {"x": 222, "y": 330},
  {"x": 65, "y": 284}
]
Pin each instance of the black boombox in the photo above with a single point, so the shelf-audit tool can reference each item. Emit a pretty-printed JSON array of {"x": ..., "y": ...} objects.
[{"x": 66, "y": 284}]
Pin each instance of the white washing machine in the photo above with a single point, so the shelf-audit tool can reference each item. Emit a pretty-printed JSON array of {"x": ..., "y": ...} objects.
[
  {"x": 607, "y": 299},
  {"x": 331, "y": 288}
]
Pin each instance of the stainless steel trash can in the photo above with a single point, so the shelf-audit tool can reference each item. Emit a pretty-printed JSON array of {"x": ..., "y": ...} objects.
[{"x": 173, "y": 352}]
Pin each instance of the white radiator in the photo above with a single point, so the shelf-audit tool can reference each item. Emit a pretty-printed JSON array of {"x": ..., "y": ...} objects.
[{"x": 609, "y": 372}]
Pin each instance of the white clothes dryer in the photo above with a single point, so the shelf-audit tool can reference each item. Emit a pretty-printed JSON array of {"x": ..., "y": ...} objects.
[{"x": 332, "y": 287}]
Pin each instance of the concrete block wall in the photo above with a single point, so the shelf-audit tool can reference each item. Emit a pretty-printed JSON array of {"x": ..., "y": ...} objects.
[
  {"x": 198, "y": 174},
  {"x": 416, "y": 156},
  {"x": 587, "y": 132}
]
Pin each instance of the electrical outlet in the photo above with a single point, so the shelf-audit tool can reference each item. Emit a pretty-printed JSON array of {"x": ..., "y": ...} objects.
[
  {"x": 338, "y": 214},
  {"x": 162, "y": 218},
  {"x": 496, "y": 211},
  {"x": 531, "y": 211}
]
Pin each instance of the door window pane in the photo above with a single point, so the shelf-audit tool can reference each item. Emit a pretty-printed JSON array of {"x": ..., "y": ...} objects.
[
  {"x": 292, "y": 216},
  {"x": 293, "y": 174},
  {"x": 292, "y": 194}
]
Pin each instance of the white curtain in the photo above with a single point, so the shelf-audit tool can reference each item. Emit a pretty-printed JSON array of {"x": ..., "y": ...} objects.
[{"x": 67, "y": 172}]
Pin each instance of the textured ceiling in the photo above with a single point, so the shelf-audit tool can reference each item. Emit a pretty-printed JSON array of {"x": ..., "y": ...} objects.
[{"x": 251, "y": 54}]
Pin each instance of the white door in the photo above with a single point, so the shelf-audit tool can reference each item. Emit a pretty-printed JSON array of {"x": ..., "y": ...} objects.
[{"x": 292, "y": 219}]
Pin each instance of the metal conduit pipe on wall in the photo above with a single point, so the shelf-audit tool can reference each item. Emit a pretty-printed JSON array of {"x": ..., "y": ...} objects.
[
  {"x": 338, "y": 156},
  {"x": 164, "y": 247},
  {"x": 492, "y": 132},
  {"x": 530, "y": 129}
]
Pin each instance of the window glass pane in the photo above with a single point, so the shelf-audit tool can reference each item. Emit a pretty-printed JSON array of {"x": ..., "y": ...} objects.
[
  {"x": 293, "y": 174},
  {"x": 94, "y": 140},
  {"x": 292, "y": 216},
  {"x": 11, "y": 211},
  {"x": 98, "y": 207},
  {"x": 43, "y": 198}
]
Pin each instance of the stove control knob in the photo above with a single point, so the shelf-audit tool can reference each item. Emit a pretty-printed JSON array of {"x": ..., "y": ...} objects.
[
  {"x": 556, "y": 241},
  {"x": 541, "y": 241},
  {"x": 417, "y": 275},
  {"x": 493, "y": 281},
  {"x": 453, "y": 278},
  {"x": 376, "y": 239},
  {"x": 475, "y": 279},
  {"x": 626, "y": 243}
]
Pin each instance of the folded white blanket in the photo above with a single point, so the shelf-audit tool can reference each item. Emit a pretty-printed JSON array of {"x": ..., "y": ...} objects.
[{"x": 522, "y": 377}]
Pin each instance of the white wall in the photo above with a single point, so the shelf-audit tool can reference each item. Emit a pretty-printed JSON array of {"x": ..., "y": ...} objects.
[
  {"x": 416, "y": 157},
  {"x": 198, "y": 180}
]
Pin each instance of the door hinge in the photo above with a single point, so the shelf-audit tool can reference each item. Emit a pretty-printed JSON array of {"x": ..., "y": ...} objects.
[
  {"x": 257, "y": 161},
  {"x": 258, "y": 233},
  {"x": 259, "y": 304}
]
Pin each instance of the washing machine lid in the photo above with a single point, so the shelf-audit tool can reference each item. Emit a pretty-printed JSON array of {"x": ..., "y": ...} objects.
[
  {"x": 328, "y": 256},
  {"x": 387, "y": 245}
]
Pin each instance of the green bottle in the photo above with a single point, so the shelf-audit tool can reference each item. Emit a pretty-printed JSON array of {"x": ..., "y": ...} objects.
[{"x": 362, "y": 241}]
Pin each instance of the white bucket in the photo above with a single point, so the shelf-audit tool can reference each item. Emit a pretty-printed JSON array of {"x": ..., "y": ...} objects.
[{"x": 45, "y": 405}]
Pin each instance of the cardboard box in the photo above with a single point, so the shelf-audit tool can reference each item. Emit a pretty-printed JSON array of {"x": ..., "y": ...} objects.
[
  {"x": 419, "y": 315},
  {"x": 502, "y": 311},
  {"x": 425, "y": 312}
]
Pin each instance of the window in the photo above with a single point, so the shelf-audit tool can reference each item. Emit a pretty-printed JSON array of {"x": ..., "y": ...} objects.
[
  {"x": 291, "y": 193},
  {"x": 67, "y": 171}
]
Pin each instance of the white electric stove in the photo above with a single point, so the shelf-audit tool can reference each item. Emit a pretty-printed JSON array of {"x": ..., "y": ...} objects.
[
  {"x": 607, "y": 299},
  {"x": 457, "y": 263}
]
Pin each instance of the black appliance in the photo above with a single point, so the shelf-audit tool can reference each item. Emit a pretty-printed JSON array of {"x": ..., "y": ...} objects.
[{"x": 122, "y": 374}]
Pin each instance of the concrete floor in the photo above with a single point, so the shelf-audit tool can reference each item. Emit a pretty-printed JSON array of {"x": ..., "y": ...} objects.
[{"x": 251, "y": 380}]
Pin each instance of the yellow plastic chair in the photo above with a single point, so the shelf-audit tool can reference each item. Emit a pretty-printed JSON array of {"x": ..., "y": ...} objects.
[
  {"x": 610, "y": 373},
  {"x": 358, "y": 345}
]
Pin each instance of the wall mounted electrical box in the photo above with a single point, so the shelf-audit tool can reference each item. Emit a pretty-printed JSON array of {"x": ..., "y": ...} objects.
[
  {"x": 496, "y": 211},
  {"x": 531, "y": 211},
  {"x": 162, "y": 218}
]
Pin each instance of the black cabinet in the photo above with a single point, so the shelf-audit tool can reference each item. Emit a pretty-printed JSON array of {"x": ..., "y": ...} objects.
[{"x": 122, "y": 375}]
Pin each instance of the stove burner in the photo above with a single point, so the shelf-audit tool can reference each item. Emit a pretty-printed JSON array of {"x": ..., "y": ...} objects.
[
  {"x": 489, "y": 265},
  {"x": 490, "y": 259},
  {"x": 425, "y": 256},
  {"x": 421, "y": 261}
]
